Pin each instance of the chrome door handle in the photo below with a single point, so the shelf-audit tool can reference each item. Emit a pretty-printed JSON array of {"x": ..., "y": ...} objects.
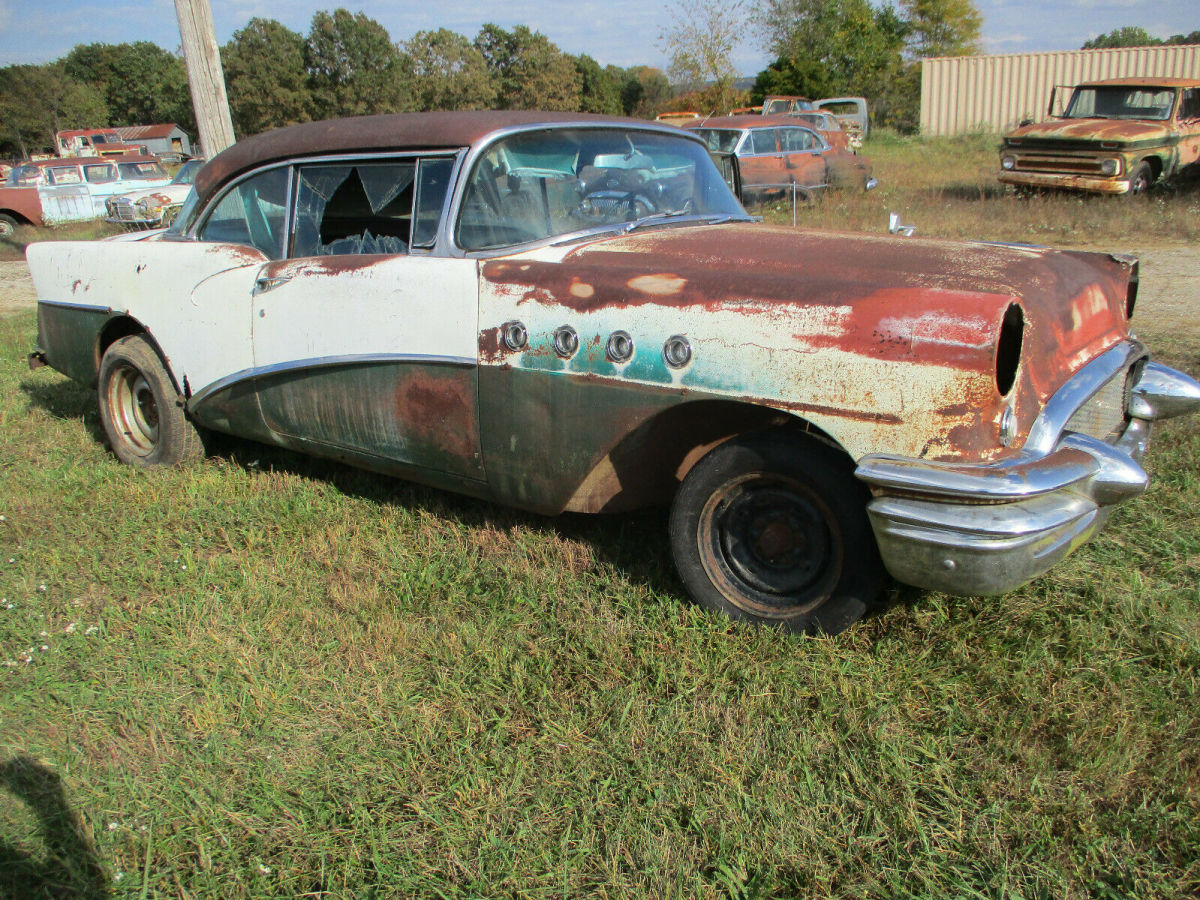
[{"x": 262, "y": 285}]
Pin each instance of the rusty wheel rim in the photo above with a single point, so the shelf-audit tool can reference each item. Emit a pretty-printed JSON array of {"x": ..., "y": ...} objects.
[
  {"x": 133, "y": 409},
  {"x": 770, "y": 545}
]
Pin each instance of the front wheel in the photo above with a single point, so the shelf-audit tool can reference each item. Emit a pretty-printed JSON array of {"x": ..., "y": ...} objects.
[
  {"x": 1140, "y": 179},
  {"x": 772, "y": 528},
  {"x": 8, "y": 225},
  {"x": 144, "y": 423}
]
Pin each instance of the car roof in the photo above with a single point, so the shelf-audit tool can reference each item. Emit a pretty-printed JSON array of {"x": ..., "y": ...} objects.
[
  {"x": 1143, "y": 81},
  {"x": 743, "y": 123},
  {"x": 396, "y": 132},
  {"x": 90, "y": 160}
]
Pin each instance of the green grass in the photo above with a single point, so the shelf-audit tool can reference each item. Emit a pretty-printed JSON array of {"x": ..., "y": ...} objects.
[
  {"x": 265, "y": 675},
  {"x": 947, "y": 187},
  {"x": 268, "y": 676}
]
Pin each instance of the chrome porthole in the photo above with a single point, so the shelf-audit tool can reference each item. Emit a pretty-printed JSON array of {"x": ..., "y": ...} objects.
[
  {"x": 619, "y": 348},
  {"x": 566, "y": 341},
  {"x": 514, "y": 335},
  {"x": 677, "y": 352}
]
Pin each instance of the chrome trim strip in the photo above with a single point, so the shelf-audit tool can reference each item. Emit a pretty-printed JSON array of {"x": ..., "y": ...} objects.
[
  {"x": 84, "y": 307},
  {"x": 323, "y": 362}
]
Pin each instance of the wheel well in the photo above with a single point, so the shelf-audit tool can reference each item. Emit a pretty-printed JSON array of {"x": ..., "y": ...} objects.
[
  {"x": 113, "y": 331},
  {"x": 647, "y": 465},
  {"x": 16, "y": 216},
  {"x": 1155, "y": 164}
]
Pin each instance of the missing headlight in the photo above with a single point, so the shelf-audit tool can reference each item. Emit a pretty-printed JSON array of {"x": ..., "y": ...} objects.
[{"x": 1008, "y": 348}]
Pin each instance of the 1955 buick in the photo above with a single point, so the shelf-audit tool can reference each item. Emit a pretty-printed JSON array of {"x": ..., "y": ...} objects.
[{"x": 573, "y": 313}]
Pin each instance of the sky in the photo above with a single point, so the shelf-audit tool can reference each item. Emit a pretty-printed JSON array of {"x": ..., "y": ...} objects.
[{"x": 617, "y": 32}]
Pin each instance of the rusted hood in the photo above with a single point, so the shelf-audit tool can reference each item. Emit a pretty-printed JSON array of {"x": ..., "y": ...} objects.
[
  {"x": 1073, "y": 302},
  {"x": 1100, "y": 130}
]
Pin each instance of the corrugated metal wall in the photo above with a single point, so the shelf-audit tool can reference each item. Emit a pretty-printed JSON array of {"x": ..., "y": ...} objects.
[{"x": 994, "y": 93}]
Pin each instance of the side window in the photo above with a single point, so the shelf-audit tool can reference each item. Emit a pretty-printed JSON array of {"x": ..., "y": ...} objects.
[
  {"x": 64, "y": 175},
  {"x": 797, "y": 139},
  {"x": 433, "y": 181},
  {"x": 251, "y": 213},
  {"x": 354, "y": 209},
  {"x": 99, "y": 174},
  {"x": 763, "y": 140},
  {"x": 1189, "y": 106}
]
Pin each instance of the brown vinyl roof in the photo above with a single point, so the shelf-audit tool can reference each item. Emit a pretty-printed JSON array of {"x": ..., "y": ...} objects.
[
  {"x": 146, "y": 132},
  {"x": 400, "y": 132}
]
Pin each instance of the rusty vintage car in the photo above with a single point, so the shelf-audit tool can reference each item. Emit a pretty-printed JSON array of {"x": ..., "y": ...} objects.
[
  {"x": 573, "y": 313},
  {"x": 1118, "y": 136}
]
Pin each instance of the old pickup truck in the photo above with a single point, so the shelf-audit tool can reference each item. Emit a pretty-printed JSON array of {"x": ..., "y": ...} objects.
[{"x": 1118, "y": 136}]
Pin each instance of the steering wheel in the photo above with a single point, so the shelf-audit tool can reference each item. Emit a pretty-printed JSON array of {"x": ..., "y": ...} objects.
[{"x": 616, "y": 206}]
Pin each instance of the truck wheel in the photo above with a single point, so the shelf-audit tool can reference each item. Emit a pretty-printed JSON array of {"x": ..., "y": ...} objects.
[
  {"x": 772, "y": 528},
  {"x": 144, "y": 424},
  {"x": 1141, "y": 179},
  {"x": 8, "y": 225}
]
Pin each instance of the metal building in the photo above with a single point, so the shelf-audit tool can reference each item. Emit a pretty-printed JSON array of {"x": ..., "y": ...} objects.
[{"x": 995, "y": 93}]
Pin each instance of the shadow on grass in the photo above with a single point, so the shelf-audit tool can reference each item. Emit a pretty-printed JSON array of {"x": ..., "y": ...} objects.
[
  {"x": 619, "y": 540},
  {"x": 69, "y": 866}
]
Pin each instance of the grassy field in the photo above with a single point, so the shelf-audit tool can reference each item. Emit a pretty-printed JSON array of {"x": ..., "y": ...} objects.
[{"x": 269, "y": 676}]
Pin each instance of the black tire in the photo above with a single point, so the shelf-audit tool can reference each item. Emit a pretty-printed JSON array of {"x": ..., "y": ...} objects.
[
  {"x": 144, "y": 423},
  {"x": 1140, "y": 179},
  {"x": 772, "y": 528},
  {"x": 8, "y": 225}
]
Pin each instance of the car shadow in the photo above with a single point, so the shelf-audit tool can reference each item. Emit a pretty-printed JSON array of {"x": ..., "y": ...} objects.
[
  {"x": 68, "y": 865},
  {"x": 618, "y": 540}
]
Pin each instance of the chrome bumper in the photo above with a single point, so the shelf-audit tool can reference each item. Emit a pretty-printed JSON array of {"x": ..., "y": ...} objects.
[
  {"x": 1096, "y": 183},
  {"x": 986, "y": 529}
]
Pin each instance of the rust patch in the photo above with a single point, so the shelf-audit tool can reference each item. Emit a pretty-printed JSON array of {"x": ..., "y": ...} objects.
[
  {"x": 491, "y": 345},
  {"x": 436, "y": 411},
  {"x": 332, "y": 265}
]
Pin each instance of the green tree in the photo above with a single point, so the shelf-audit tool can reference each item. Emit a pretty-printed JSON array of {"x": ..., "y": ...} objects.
[
  {"x": 354, "y": 68},
  {"x": 1190, "y": 38},
  {"x": 265, "y": 77},
  {"x": 802, "y": 77},
  {"x": 1128, "y": 36},
  {"x": 599, "y": 89},
  {"x": 645, "y": 92},
  {"x": 700, "y": 42},
  {"x": 942, "y": 27},
  {"x": 447, "y": 71},
  {"x": 38, "y": 100},
  {"x": 531, "y": 72},
  {"x": 142, "y": 83}
]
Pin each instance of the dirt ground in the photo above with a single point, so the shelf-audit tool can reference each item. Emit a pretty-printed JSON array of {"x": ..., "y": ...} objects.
[{"x": 1168, "y": 300}]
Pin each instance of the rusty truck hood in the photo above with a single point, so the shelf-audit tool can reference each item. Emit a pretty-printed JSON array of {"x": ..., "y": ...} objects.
[{"x": 1099, "y": 130}]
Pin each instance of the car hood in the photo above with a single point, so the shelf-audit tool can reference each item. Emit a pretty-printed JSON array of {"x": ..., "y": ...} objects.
[
  {"x": 176, "y": 192},
  {"x": 1099, "y": 130}
]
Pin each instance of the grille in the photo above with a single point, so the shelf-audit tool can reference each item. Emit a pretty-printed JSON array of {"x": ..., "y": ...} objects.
[
  {"x": 1058, "y": 164},
  {"x": 122, "y": 208},
  {"x": 1103, "y": 416}
]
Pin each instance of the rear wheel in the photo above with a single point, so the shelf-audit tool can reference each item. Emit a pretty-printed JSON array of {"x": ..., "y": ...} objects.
[
  {"x": 773, "y": 529},
  {"x": 8, "y": 225},
  {"x": 144, "y": 423}
]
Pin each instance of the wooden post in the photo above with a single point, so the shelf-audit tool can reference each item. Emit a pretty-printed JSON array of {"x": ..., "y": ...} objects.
[{"x": 205, "y": 77}]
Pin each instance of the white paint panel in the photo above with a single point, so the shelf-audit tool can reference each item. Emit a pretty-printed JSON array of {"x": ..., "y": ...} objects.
[{"x": 398, "y": 305}]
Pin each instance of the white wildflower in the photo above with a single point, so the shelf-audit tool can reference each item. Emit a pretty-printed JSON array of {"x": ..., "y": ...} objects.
[
  {"x": 92, "y": 629},
  {"x": 70, "y": 629},
  {"x": 112, "y": 826},
  {"x": 264, "y": 870}
]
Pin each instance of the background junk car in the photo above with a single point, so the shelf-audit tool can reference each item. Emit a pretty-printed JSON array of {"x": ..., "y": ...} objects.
[
  {"x": 1117, "y": 136},
  {"x": 568, "y": 312},
  {"x": 776, "y": 152},
  {"x": 153, "y": 207},
  {"x": 56, "y": 191}
]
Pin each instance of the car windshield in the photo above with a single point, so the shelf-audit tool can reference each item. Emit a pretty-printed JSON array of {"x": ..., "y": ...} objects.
[
  {"x": 140, "y": 170},
  {"x": 536, "y": 185},
  {"x": 723, "y": 140},
  {"x": 187, "y": 173},
  {"x": 1121, "y": 102}
]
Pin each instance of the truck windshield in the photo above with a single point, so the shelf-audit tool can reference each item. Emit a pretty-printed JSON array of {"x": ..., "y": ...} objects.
[{"x": 1121, "y": 102}]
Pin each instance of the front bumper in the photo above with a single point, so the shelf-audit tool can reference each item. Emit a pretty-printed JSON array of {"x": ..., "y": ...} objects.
[
  {"x": 1096, "y": 185},
  {"x": 989, "y": 528}
]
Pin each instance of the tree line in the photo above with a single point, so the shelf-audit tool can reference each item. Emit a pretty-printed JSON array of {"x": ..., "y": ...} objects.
[{"x": 346, "y": 65}]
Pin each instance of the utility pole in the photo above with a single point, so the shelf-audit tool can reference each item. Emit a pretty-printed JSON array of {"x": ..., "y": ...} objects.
[{"x": 205, "y": 78}]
